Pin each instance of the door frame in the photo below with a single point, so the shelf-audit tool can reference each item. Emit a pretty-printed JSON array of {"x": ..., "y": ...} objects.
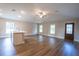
[{"x": 69, "y": 34}]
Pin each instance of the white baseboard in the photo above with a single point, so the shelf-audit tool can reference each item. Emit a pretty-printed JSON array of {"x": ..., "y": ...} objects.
[
  {"x": 59, "y": 37},
  {"x": 76, "y": 40},
  {"x": 54, "y": 36}
]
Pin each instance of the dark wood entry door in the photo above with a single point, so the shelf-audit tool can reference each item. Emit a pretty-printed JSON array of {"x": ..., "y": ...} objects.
[{"x": 69, "y": 31}]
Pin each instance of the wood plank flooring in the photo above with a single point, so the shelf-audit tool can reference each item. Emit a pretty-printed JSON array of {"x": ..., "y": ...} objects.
[
  {"x": 39, "y": 46},
  {"x": 6, "y": 47},
  {"x": 47, "y": 46}
]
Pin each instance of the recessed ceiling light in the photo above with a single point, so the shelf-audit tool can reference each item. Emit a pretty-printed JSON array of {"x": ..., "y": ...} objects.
[
  {"x": 0, "y": 14},
  {"x": 19, "y": 16},
  {"x": 22, "y": 12}
]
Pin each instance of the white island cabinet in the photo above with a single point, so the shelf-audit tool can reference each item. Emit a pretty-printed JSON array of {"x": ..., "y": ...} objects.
[{"x": 18, "y": 38}]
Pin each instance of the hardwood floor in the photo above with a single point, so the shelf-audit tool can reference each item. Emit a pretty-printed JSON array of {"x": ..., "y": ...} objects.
[
  {"x": 6, "y": 47},
  {"x": 47, "y": 46},
  {"x": 39, "y": 46}
]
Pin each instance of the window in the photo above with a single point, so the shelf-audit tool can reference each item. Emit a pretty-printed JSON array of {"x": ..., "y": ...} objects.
[
  {"x": 40, "y": 28},
  {"x": 9, "y": 27},
  {"x": 69, "y": 28},
  {"x": 52, "y": 29}
]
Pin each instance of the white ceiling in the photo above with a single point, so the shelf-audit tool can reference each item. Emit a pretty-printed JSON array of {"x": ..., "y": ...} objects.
[{"x": 59, "y": 11}]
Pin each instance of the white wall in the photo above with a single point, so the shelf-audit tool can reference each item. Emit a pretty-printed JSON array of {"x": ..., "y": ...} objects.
[
  {"x": 60, "y": 28},
  {"x": 31, "y": 28},
  {"x": 27, "y": 27}
]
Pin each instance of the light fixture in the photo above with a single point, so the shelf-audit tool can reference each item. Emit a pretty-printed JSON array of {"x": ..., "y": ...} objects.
[
  {"x": 13, "y": 10},
  {"x": 0, "y": 14},
  {"x": 41, "y": 13},
  {"x": 22, "y": 12},
  {"x": 19, "y": 16}
]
